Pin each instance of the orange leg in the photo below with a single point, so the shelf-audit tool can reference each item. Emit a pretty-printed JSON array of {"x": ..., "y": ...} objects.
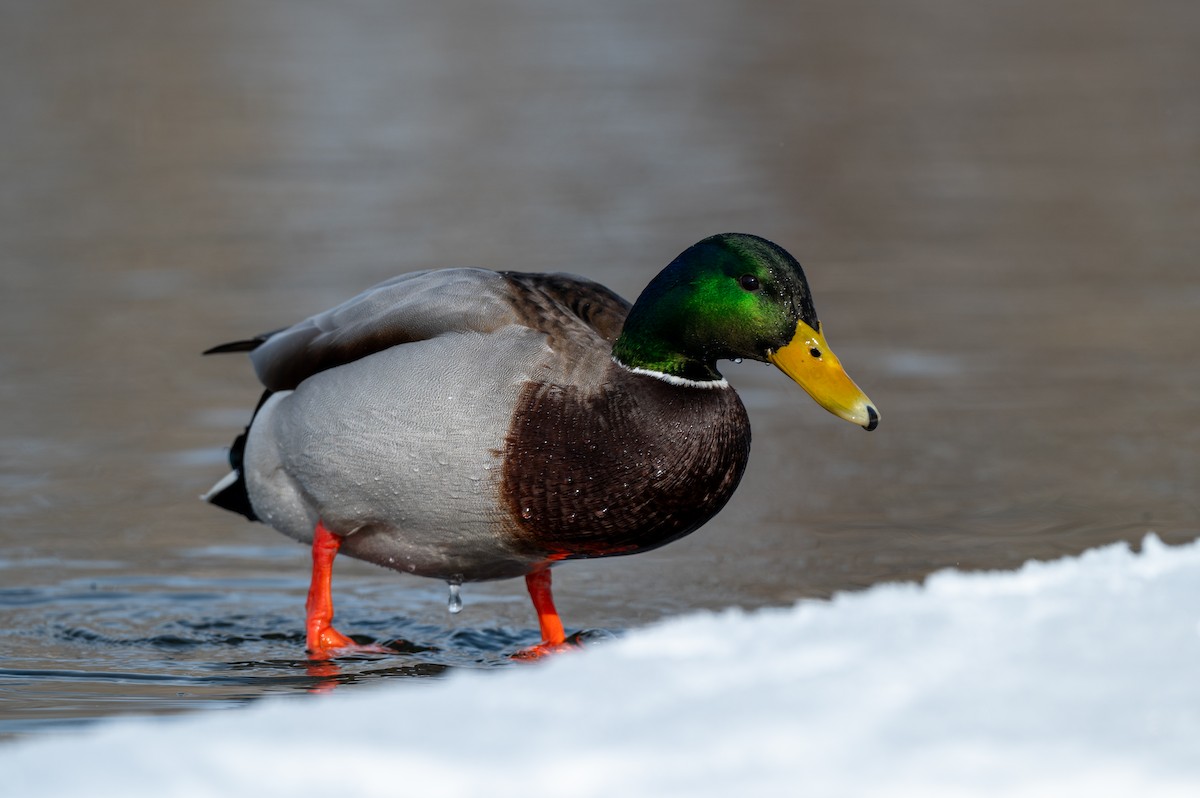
[
  {"x": 323, "y": 639},
  {"x": 553, "y": 636}
]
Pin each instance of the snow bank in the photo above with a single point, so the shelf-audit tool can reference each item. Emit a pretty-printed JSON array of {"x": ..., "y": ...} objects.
[{"x": 1076, "y": 677}]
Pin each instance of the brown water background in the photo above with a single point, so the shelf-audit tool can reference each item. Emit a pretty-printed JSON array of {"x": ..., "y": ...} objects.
[{"x": 998, "y": 206}]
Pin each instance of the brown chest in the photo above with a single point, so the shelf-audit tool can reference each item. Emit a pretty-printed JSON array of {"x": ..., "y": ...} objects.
[{"x": 622, "y": 469}]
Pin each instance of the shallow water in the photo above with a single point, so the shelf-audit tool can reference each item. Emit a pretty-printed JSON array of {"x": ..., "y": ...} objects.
[{"x": 997, "y": 209}]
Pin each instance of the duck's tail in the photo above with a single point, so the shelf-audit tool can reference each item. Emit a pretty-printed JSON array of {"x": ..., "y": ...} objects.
[
  {"x": 230, "y": 494},
  {"x": 230, "y": 491}
]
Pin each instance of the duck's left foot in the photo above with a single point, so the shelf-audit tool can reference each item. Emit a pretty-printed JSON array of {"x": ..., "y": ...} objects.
[
  {"x": 323, "y": 641},
  {"x": 328, "y": 643},
  {"x": 543, "y": 649},
  {"x": 320, "y": 654}
]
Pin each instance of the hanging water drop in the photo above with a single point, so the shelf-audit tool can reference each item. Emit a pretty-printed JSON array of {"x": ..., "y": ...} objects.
[{"x": 455, "y": 604}]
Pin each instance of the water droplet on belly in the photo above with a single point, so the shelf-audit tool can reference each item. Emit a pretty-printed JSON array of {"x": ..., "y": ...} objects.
[
  {"x": 455, "y": 603},
  {"x": 601, "y": 512},
  {"x": 527, "y": 513}
]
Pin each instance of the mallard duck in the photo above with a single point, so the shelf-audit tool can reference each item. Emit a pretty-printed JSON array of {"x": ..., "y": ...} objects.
[{"x": 466, "y": 425}]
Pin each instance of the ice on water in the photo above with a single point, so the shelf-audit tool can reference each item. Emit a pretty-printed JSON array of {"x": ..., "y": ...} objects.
[{"x": 1073, "y": 677}]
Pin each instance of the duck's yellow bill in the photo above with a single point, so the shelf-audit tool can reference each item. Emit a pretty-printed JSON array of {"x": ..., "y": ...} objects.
[{"x": 809, "y": 361}]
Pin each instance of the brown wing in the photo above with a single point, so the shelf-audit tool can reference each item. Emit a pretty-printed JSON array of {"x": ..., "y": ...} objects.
[
  {"x": 558, "y": 302},
  {"x": 571, "y": 311}
]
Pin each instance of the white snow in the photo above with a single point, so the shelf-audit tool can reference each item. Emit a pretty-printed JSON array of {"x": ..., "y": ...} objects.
[{"x": 1075, "y": 677}]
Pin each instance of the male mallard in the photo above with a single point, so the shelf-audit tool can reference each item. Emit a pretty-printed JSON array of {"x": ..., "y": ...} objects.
[{"x": 466, "y": 425}]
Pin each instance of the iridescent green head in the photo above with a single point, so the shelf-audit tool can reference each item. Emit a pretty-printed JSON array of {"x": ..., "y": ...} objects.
[
  {"x": 730, "y": 296},
  {"x": 734, "y": 296}
]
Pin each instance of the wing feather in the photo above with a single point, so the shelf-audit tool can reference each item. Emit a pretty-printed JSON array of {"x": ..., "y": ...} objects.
[{"x": 571, "y": 311}]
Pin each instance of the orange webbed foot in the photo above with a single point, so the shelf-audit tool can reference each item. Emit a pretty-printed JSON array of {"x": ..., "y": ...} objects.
[
  {"x": 329, "y": 643},
  {"x": 323, "y": 641},
  {"x": 543, "y": 650},
  {"x": 554, "y": 639}
]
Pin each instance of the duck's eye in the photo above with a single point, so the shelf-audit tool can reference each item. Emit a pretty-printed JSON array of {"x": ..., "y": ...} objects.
[
  {"x": 749, "y": 282},
  {"x": 815, "y": 352}
]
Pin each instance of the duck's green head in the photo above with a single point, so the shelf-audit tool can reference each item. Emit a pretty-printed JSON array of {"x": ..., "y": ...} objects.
[{"x": 735, "y": 296}]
